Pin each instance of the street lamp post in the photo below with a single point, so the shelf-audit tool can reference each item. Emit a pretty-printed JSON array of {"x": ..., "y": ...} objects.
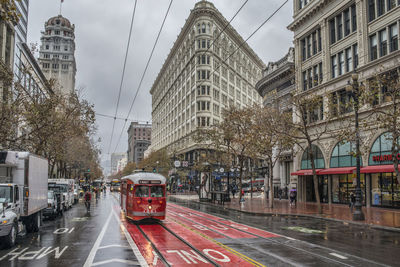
[{"x": 354, "y": 90}]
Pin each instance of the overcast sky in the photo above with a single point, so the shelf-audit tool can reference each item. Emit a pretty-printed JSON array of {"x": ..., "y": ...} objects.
[{"x": 101, "y": 30}]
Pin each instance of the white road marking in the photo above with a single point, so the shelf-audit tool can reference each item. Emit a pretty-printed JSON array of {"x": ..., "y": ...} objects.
[
  {"x": 290, "y": 238},
  {"x": 339, "y": 256},
  {"x": 114, "y": 246},
  {"x": 92, "y": 254},
  {"x": 127, "y": 262},
  {"x": 134, "y": 248}
]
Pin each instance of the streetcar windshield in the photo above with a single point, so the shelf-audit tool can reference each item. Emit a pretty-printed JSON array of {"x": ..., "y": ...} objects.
[
  {"x": 142, "y": 191},
  {"x": 157, "y": 191}
]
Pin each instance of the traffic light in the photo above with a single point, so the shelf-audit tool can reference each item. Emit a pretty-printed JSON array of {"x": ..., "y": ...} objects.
[{"x": 154, "y": 169}]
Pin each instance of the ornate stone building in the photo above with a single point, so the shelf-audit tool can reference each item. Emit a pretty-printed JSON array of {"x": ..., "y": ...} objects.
[
  {"x": 198, "y": 80},
  {"x": 334, "y": 39},
  {"x": 57, "y": 52},
  {"x": 276, "y": 87}
]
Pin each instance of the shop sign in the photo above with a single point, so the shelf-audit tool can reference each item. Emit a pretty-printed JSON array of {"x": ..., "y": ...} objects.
[{"x": 387, "y": 157}]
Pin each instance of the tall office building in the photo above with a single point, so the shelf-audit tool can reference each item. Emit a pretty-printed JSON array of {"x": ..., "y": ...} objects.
[
  {"x": 199, "y": 79},
  {"x": 115, "y": 158},
  {"x": 57, "y": 53},
  {"x": 21, "y": 32},
  {"x": 139, "y": 139}
]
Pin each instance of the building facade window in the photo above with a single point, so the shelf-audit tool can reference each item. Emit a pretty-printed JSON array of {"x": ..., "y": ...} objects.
[
  {"x": 343, "y": 155},
  {"x": 343, "y": 24},
  {"x": 393, "y": 37},
  {"x": 377, "y": 8},
  {"x": 319, "y": 160},
  {"x": 311, "y": 44},
  {"x": 383, "y": 43},
  {"x": 381, "y": 151}
]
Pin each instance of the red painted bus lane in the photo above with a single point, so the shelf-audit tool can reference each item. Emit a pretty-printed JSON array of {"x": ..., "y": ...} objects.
[
  {"x": 196, "y": 226},
  {"x": 176, "y": 252},
  {"x": 206, "y": 219},
  {"x": 217, "y": 227},
  {"x": 220, "y": 253}
]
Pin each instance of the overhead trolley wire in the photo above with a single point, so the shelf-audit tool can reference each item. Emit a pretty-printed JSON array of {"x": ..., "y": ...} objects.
[
  {"x": 144, "y": 72},
  {"x": 123, "y": 74}
]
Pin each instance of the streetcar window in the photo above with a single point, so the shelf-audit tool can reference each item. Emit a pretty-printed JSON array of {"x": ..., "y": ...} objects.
[
  {"x": 142, "y": 191},
  {"x": 157, "y": 191}
]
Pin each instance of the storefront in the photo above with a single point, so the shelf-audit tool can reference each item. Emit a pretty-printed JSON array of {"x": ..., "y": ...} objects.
[
  {"x": 306, "y": 190},
  {"x": 385, "y": 187},
  {"x": 379, "y": 184}
]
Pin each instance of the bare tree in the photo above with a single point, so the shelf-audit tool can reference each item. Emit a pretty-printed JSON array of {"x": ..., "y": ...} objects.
[{"x": 269, "y": 140}]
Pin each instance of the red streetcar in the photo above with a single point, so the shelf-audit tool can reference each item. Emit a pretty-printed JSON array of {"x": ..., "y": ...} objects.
[{"x": 143, "y": 196}]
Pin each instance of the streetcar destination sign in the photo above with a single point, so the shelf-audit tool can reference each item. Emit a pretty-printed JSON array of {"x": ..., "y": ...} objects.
[{"x": 149, "y": 182}]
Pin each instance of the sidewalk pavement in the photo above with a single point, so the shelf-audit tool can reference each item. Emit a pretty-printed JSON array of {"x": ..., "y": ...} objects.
[{"x": 379, "y": 217}]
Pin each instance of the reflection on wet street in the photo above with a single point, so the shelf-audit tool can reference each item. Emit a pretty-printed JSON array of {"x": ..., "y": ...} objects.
[{"x": 200, "y": 235}]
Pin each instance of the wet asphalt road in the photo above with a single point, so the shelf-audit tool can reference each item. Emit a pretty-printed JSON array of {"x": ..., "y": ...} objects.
[
  {"x": 70, "y": 239},
  {"x": 100, "y": 239},
  {"x": 372, "y": 247}
]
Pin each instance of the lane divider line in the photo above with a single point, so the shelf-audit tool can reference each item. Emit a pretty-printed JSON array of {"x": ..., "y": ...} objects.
[
  {"x": 339, "y": 256},
  {"x": 134, "y": 248},
  {"x": 92, "y": 254},
  {"x": 114, "y": 246},
  {"x": 240, "y": 255}
]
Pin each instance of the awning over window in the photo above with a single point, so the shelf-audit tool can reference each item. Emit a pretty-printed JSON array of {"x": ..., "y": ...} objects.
[
  {"x": 378, "y": 168},
  {"x": 343, "y": 170},
  {"x": 305, "y": 172}
]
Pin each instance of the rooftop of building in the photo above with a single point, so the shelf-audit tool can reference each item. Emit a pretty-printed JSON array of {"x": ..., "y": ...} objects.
[{"x": 59, "y": 20}]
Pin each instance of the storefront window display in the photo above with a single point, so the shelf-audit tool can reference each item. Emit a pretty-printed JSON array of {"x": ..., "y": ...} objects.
[
  {"x": 318, "y": 158},
  {"x": 343, "y": 185},
  {"x": 385, "y": 190}
]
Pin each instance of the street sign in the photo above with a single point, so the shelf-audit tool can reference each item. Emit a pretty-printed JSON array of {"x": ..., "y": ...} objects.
[
  {"x": 177, "y": 163},
  {"x": 221, "y": 170},
  {"x": 185, "y": 164}
]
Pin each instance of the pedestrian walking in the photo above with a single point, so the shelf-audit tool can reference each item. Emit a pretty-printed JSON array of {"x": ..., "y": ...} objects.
[
  {"x": 292, "y": 197},
  {"x": 280, "y": 193},
  {"x": 234, "y": 190},
  {"x": 242, "y": 195},
  {"x": 352, "y": 201}
]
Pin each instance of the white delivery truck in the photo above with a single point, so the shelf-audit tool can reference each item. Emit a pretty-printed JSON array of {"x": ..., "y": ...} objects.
[
  {"x": 66, "y": 188},
  {"x": 23, "y": 193}
]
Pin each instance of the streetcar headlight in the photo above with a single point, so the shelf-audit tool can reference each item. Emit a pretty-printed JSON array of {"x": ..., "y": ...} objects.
[{"x": 149, "y": 207}]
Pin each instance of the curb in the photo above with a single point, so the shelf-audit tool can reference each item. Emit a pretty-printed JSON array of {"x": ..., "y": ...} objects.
[{"x": 370, "y": 226}]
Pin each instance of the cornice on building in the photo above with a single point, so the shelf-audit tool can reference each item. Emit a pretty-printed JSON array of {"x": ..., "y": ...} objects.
[
  {"x": 276, "y": 71},
  {"x": 208, "y": 9},
  {"x": 307, "y": 13}
]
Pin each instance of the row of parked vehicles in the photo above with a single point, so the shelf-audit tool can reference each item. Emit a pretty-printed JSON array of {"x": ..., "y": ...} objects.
[{"x": 27, "y": 195}]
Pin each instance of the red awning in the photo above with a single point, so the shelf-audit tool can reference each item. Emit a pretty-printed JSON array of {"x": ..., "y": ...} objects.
[
  {"x": 305, "y": 172},
  {"x": 343, "y": 170},
  {"x": 378, "y": 168}
]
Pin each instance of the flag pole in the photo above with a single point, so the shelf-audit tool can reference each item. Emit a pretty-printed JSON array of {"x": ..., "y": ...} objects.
[{"x": 61, "y": 5}]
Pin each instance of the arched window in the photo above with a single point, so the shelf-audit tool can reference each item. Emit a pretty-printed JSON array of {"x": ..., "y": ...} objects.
[
  {"x": 318, "y": 158},
  {"x": 343, "y": 155},
  {"x": 203, "y": 28},
  {"x": 381, "y": 151}
]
